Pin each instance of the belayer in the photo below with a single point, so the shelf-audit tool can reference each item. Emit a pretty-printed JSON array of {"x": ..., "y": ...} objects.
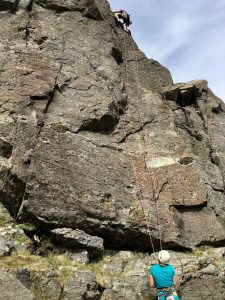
[
  {"x": 162, "y": 276},
  {"x": 123, "y": 18}
]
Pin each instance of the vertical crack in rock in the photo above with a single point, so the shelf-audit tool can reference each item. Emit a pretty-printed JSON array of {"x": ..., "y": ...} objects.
[
  {"x": 28, "y": 26},
  {"x": 12, "y": 190},
  {"x": 49, "y": 97},
  {"x": 160, "y": 190},
  {"x": 30, "y": 5},
  {"x": 61, "y": 296},
  {"x": 27, "y": 33},
  {"x": 41, "y": 124},
  {"x": 17, "y": 2}
]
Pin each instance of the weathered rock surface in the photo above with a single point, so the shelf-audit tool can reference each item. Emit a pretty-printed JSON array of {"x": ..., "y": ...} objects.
[
  {"x": 82, "y": 286},
  {"x": 80, "y": 256},
  {"x": 12, "y": 289},
  {"x": 12, "y": 237},
  {"x": 77, "y": 134},
  {"x": 122, "y": 275},
  {"x": 89, "y": 125},
  {"x": 79, "y": 239}
]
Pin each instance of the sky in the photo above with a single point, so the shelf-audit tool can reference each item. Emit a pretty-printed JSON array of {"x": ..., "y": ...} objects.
[{"x": 187, "y": 37}]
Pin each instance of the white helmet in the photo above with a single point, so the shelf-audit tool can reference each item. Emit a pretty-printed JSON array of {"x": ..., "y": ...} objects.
[
  {"x": 164, "y": 256},
  {"x": 124, "y": 14}
]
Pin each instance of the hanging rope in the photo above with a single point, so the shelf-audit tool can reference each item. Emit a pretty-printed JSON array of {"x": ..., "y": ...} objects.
[
  {"x": 130, "y": 158},
  {"x": 149, "y": 171},
  {"x": 152, "y": 176}
]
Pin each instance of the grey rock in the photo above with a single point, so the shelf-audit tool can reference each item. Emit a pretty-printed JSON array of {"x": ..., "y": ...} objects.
[
  {"x": 219, "y": 253},
  {"x": 82, "y": 286},
  {"x": 24, "y": 276},
  {"x": 12, "y": 238},
  {"x": 6, "y": 247},
  {"x": 87, "y": 7},
  {"x": 208, "y": 287},
  {"x": 46, "y": 284},
  {"x": 210, "y": 270},
  {"x": 77, "y": 239},
  {"x": 80, "y": 256},
  {"x": 12, "y": 289},
  {"x": 76, "y": 136},
  {"x": 5, "y": 217}
]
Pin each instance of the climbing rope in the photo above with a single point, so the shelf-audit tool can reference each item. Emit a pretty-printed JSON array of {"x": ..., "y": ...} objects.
[
  {"x": 149, "y": 171},
  {"x": 152, "y": 175},
  {"x": 131, "y": 161}
]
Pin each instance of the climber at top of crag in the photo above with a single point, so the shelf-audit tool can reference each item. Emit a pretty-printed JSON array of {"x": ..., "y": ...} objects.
[{"x": 123, "y": 18}]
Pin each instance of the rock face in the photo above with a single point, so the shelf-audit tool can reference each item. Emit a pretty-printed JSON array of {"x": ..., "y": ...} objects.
[
  {"x": 79, "y": 239},
  {"x": 11, "y": 288},
  {"x": 94, "y": 136}
]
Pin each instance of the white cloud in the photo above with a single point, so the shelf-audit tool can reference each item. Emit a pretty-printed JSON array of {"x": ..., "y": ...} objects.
[{"x": 185, "y": 36}]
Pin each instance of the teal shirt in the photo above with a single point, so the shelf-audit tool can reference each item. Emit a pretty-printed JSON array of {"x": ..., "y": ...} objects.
[{"x": 162, "y": 275}]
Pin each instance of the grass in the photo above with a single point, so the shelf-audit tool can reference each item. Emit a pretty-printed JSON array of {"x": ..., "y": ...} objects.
[
  {"x": 23, "y": 259},
  {"x": 27, "y": 227},
  {"x": 202, "y": 251},
  {"x": 101, "y": 273},
  {"x": 3, "y": 222},
  {"x": 62, "y": 263},
  {"x": 21, "y": 239},
  {"x": 36, "y": 263}
]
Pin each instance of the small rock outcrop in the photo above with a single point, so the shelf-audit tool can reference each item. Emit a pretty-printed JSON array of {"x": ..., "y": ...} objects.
[
  {"x": 79, "y": 239},
  {"x": 12, "y": 236}
]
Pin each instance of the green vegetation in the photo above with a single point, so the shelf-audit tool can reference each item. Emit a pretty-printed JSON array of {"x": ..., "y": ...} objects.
[
  {"x": 27, "y": 227},
  {"x": 3, "y": 221},
  {"x": 20, "y": 238}
]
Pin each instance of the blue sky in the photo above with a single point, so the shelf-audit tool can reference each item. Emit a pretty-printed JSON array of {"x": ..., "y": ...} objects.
[{"x": 188, "y": 37}]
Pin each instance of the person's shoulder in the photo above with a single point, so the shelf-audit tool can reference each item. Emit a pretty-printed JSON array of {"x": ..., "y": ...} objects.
[
  {"x": 170, "y": 267},
  {"x": 154, "y": 266}
]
